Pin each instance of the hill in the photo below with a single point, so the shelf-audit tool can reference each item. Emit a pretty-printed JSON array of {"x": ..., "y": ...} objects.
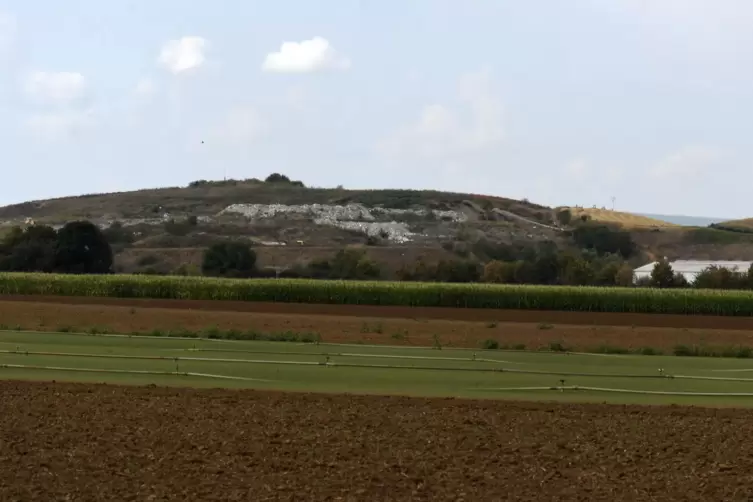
[
  {"x": 288, "y": 224},
  {"x": 625, "y": 220},
  {"x": 164, "y": 230},
  {"x": 742, "y": 225}
]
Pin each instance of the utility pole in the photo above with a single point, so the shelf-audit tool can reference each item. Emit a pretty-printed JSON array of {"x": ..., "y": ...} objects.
[{"x": 613, "y": 198}]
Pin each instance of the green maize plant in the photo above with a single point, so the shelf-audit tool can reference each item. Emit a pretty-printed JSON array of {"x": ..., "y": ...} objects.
[{"x": 482, "y": 296}]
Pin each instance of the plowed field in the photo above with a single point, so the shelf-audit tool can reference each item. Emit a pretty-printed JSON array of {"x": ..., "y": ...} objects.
[
  {"x": 450, "y": 314},
  {"x": 338, "y": 324},
  {"x": 100, "y": 443}
]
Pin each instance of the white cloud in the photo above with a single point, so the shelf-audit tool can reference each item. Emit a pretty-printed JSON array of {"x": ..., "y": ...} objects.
[
  {"x": 55, "y": 87},
  {"x": 305, "y": 57},
  {"x": 183, "y": 54},
  {"x": 239, "y": 126},
  {"x": 60, "y": 124},
  {"x": 686, "y": 163},
  {"x": 442, "y": 132}
]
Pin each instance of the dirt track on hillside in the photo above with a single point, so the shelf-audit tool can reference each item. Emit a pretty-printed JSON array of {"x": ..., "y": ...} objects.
[
  {"x": 101, "y": 443},
  {"x": 60, "y": 316},
  {"x": 450, "y": 314}
]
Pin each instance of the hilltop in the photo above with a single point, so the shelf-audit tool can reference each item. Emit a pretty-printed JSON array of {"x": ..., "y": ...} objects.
[
  {"x": 742, "y": 225},
  {"x": 288, "y": 224},
  {"x": 625, "y": 220}
]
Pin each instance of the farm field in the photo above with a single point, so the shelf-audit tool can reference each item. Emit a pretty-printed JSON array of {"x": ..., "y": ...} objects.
[
  {"x": 370, "y": 408},
  {"x": 101, "y": 442},
  {"x": 373, "y": 369},
  {"x": 379, "y": 325},
  {"x": 473, "y": 297}
]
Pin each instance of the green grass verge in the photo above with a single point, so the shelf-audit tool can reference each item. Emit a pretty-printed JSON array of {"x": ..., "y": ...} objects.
[{"x": 373, "y": 370}]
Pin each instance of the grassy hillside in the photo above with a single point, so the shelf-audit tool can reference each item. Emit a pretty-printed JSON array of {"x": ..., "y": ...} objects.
[
  {"x": 289, "y": 224},
  {"x": 625, "y": 220},
  {"x": 743, "y": 225}
]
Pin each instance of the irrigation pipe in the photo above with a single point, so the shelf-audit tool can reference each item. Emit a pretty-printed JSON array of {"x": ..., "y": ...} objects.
[
  {"x": 150, "y": 358},
  {"x": 599, "y": 354},
  {"x": 622, "y": 391},
  {"x": 132, "y": 372},
  {"x": 355, "y": 354},
  {"x": 224, "y": 340},
  {"x": 724, "y": 379},
  {"x": 281, "y": 353},
  {"x": 333, "y": 364},
  {"x": 374, "y": 366},
  {"x": 413, "y": 347}
]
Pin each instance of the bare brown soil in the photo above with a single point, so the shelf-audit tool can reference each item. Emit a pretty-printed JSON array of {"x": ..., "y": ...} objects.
[
  {"x": 450, "y": 314},
  {"x": 146, "y": 317},
  {"x": 100, "y": 443}
]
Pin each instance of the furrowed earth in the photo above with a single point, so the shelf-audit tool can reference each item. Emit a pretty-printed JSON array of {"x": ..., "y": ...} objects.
[
  {"x": 97, "y": 442},
  {"x": 379, "y": 325}
]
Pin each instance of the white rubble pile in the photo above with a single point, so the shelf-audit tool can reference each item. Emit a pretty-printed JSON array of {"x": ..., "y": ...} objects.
[
  {"x": 351, "y": 212},
  {"x": 395, "y": 231},
  {"x": 355, "y": 217},
  {"x": 455, "y": 216}
]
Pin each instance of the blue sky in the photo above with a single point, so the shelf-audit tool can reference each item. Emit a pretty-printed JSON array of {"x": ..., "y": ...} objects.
[{"x": 568, "y": 102}]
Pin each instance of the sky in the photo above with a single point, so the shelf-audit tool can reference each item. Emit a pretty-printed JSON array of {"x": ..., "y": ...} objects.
[{"x": 560, "y": 102}]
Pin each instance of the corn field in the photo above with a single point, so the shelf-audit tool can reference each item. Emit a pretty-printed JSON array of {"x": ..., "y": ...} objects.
[{"x": 485, "y": 296}]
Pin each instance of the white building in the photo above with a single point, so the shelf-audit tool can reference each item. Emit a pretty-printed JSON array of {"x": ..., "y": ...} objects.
[{"x": 691, "y": 268}]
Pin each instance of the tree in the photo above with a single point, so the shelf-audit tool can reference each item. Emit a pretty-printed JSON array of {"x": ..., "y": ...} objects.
[
  {"x": 577, "y": 272},
  {"x": 353, "y": 264},
  {"x": 624, "y": 276},
  {"x": 281, "y": 178},
  {"x": 499, "y": 272},
  {"x": 457, "y": 271},
  {"x": 277, "y": 178},
  {"x": 715, "y": 277},
  {"x": 564, "y": 217},
  {"x": 30, "y": 250},
  {"x": 604, "y": 240},
  {"x": 662, "y": 276},
  {"x": 81, "y": 248},
  {"x": 229, "y": 259}
]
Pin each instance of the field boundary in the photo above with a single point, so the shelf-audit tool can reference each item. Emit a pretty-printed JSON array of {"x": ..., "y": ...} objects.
[{"x": 418, "y": 313}]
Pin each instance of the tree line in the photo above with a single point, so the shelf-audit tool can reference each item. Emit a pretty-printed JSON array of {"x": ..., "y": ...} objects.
[
  {"x": 713, "y": 277},
  {"x": 598, "y": 256},
  {"x": 78, "y": 247}
]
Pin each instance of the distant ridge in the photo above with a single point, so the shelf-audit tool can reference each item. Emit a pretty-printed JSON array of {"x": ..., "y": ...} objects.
[{"x": 689, "y": 221}]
